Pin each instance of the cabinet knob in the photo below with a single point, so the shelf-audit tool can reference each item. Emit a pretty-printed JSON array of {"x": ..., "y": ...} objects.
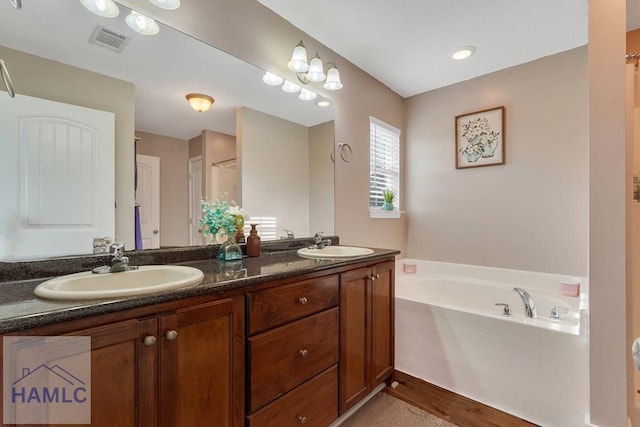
[
  {"x": 149, "y": 340},
  {"x": 303, "y": 300},
  {"x": 303, "y": 353},
  {"x": 374, "y": 277},
  {"x": 171, "y": 335},
  {"x": 302, "y": 420}
]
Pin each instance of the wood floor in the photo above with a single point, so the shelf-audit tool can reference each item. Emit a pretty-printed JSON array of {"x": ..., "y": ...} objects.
[{"x": 450, "y": 406}]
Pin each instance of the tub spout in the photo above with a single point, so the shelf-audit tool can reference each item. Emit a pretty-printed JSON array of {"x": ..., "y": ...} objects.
[{"x": 527, "y": 301}]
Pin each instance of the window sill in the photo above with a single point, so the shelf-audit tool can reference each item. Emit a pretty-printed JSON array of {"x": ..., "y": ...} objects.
[{"x": 379, "y": 213}]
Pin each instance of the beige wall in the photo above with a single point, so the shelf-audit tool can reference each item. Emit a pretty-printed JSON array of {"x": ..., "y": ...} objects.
[
  {"x": 321, "y": 184},
  {"x": 32, "y": 75},
  {"x": 174, "y": 185},
  {"x": 608, "y": 347},
  {"x": 274, "y": 169},
  {"x": 250, "y": 31},
  {"x": 216, "y": 147},
  {"x": 531, "y": 212}
]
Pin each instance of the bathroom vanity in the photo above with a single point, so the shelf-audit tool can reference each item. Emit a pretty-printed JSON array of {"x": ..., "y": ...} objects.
[{"x": 276, "y": 340}]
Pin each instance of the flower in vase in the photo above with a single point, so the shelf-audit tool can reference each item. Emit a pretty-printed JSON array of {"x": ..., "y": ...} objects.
[{"x": 220, "y": 219}]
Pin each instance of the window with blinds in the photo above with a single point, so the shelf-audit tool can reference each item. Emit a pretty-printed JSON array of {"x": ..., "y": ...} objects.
[{"x": 384, "y": 162}]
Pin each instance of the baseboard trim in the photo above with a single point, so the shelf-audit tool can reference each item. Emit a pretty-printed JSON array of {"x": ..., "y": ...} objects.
[
  {"x": 450, "y": 406},
  {"x": 358, "y": 405}
]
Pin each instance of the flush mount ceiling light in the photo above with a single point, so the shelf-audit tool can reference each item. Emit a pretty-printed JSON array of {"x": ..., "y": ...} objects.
[
  {"x": 290, "y": 87},
  {"x": 199, "y": 101},
  {"x": 104, "y": 8},
  {"x": 323, "y": 103},
  {"x": 314, "y": 71},
  {"x": 141, "y": 24},
  {"x": 166, "y": 4},
  {"x": 307, "y": 95},
  {"x": 463, "y": 53},
  {"x": 272, "y": 79}
]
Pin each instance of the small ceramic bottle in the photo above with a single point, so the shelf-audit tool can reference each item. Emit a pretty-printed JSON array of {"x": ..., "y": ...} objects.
[{"x": 253, "y": 242}]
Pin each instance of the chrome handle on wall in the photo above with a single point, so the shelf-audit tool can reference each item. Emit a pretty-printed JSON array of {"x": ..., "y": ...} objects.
[
  {"x": 171, "y": 335},
  {"x": 332, "y": 153},
  {"x": 7, "y": 78}
]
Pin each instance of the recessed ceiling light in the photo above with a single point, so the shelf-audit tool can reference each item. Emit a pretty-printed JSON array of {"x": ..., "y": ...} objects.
[
  {"x": 323, "y": 103},
  {"x": 166, "y": 4},
  {"x": 463, "y": 53},
  {"x": 307, "y": 95},
  {"x": 272, "y": 79},
  {"x": 142, "y": 24},
  {"x": 105, "y": 8},
  {"x": 290, "y": 87}
]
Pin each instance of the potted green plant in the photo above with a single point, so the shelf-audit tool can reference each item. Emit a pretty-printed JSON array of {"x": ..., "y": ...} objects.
[{"x": 388, "y": 195}]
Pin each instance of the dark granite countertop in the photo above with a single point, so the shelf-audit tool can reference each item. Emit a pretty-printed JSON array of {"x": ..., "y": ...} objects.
[{"x": 20, "y": 309}]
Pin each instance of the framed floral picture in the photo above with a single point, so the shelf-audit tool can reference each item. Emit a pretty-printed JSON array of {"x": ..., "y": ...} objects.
[{"x": 480, "y": 138}]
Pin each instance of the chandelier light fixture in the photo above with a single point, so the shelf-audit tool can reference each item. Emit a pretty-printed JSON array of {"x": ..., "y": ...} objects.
[
  {"x": 314, "y": 70},
  {"x": 166, "y": 4},
  {"x": 142, "y": 24},
  {"x": 199, "y": 101}
]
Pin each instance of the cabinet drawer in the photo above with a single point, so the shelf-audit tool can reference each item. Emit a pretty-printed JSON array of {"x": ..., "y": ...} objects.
[
  {"x": 314, "y": 404},
  {"x": 282, "y": 304},
  {"x": 285, "y": 357}
]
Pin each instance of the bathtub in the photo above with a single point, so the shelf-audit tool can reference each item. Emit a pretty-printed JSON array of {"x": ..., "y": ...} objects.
[{"x": 450, "y": 333}]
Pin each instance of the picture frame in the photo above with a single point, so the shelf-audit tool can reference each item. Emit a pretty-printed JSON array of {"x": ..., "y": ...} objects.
[{"x": 480, "y": 138}]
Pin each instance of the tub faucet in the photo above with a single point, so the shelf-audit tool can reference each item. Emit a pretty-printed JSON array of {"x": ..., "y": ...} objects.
[{"x": 529, "y": 305}]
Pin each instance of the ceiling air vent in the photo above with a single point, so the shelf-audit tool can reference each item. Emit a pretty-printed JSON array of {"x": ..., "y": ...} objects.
[{"x": 108, "y": 39}]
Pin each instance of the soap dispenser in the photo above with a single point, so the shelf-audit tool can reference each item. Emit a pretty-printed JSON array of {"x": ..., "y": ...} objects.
[{"x": 253, "y": 242}]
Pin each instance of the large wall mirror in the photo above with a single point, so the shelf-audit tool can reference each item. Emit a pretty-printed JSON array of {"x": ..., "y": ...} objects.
[{"x": 257, "y": 145}]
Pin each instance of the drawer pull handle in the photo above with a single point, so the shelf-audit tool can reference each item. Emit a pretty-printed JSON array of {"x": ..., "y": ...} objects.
[
  {"x": 172, "y": 335},
  {"x": 149, "y": 340},
  {"x": 303, "y": 353},
  {"x": 303, "y": 300},
  {"x": 302, "y": 420}
]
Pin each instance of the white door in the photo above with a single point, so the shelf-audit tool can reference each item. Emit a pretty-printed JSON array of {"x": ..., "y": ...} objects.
[
  {"x": 148, "y": 199},
  {"x": 195, "y": 194},
  {"x": 56, "y": 177}
]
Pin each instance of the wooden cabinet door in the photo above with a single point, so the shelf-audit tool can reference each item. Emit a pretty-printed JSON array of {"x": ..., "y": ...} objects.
[
  {"x": 202, "y": 365},
  {"x": 354, "y": 341},
  {"x": 123, "y": 373},
  {"x": 382, "y": 322}
]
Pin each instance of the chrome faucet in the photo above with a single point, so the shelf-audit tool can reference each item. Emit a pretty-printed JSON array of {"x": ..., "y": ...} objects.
[
  {"x": 319, "y": 242},
  {"x": 119, "y": 262},
  {"x": 529, "y": 305},
  {"x": 290, "y": 234}
]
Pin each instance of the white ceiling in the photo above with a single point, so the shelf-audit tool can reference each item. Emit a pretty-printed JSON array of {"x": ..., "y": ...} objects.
[{"x": 407, "y": 44}]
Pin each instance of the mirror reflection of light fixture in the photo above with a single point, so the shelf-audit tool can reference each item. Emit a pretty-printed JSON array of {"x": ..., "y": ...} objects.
[
  {"x": 17, "y": 4},
  {"x": 104, "y": 8},
  {"x": 314, "y": 71},
  {"x": 199, "y": 101},
  {"x": 166, "y": 4},
  {"x": 307, "y": 95},
  {"x": 142, "y": 24},
  {"x": 272, "y": 79},
  {"x": 290, "y": 87}
]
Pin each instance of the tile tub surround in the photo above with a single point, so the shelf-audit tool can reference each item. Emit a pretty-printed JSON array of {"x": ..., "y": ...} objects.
[
  {"x": 20, "y": 310},
  {"x": 537, "y": 374}
]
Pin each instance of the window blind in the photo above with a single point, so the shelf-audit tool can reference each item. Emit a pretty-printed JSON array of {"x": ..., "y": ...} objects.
[{"x": 384, "y": 161}]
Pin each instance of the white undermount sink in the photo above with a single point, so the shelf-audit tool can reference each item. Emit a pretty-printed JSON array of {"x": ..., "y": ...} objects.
[
  {"x": 334, "y": 252},
  {"x": 145, "y": 280}
]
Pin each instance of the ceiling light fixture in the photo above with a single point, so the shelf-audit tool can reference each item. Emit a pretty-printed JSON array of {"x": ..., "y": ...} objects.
[
  {"x": 272, "y": 79},
  {"x": 199, "y": 101},
  {"x": 307, "y": 95},
  {"x": 141, "y": 24},
  {"x": 104, "y": 8},
  {"x": 314, "y": 71},
  {"x": 290, "y": 87},
  {"x": 323, "y": 103},
  {"x": 463, "y": 53},
  {"x": 166, "y": 4}
]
